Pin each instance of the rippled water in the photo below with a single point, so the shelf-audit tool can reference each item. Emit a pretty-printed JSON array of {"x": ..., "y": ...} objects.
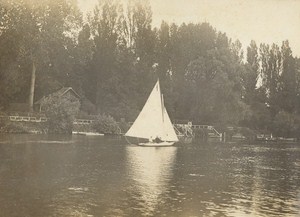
[{"x": 82, "y": 176}]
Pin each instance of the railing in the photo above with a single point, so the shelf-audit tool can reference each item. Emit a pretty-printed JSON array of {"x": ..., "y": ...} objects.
[
  {"x": 184, "y": 130},
  {"x": 188, "y": 129},
  {"x": 83, "y": 121},
  {"x": 178, "y": 133},
  {"x": 24, "y": 118},
  {"x": 19, "y": 118},
  {"x": 208, "y": 127}
]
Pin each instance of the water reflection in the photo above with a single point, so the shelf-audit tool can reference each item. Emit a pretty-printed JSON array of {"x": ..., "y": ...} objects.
[{"x": 150, "y": 169}]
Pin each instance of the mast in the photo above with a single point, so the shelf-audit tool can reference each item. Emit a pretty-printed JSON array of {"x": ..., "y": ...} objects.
[
  {"x": 162, "y": 101},
  {"x": 162, "y": 107}
]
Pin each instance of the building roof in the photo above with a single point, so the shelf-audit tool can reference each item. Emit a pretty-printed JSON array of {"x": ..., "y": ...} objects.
[{"x": 59, "y": 93}]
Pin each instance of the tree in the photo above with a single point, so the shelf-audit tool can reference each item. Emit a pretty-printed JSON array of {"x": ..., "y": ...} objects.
[
  {"x": 270, "y": 71},
  {"x": 214, "y": 78},
  {"x": 251, "y": 74},
  {"x": 163, "y": 67},
  {"x": 40, "y": 30},
  {"x": 16, "y": 25},
  {"x": 287, "y": 79},
  {"x": 81, "y": 78},
  {"x": 105, "y": 22},
  {"x": 187, "y": 43},
  {"x": 143, "y": 49}
]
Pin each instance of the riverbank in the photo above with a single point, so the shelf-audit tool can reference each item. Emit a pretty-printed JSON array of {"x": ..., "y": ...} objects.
[
  {"x": 103, "y": 124},
  {"x": 7, "y": 126},
  {"x": 31, "y": 124}
]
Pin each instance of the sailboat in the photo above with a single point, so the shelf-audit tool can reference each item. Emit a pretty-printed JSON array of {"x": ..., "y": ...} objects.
[{"x": 153, "y": 124}]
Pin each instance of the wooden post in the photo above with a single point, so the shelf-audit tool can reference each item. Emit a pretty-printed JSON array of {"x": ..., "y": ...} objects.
[
  {"x": 32, "y": 84},
  {"x": 224, "y": 137}
]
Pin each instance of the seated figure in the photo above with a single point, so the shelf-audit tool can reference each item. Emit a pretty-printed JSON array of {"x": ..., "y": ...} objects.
[{"x": 156, "y": 140}]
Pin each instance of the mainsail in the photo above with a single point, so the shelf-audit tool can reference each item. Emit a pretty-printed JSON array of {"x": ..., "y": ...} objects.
[
  {"x": 169, "y": 134},
  {"x": 153, "y": 121}
]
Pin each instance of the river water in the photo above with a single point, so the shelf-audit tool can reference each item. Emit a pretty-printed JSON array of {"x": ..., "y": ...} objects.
[{"x": 50, "y": 175}]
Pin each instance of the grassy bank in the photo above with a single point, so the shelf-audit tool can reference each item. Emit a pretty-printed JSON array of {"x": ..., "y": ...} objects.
[{"x": 101, "y": 124}]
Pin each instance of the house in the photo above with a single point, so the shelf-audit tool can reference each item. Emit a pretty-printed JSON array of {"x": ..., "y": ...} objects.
[
  {"x": 85, "y": 105},
  {"x": 63, "y": 92}
]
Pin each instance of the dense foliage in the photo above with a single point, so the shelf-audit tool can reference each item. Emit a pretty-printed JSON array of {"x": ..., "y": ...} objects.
[
  {"x": 115, "y": 56},
  {"x": 61, "y": 113},
  {"x": 105, "y": 124}
]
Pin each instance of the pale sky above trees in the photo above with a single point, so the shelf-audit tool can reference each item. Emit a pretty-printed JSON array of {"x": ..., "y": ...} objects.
[{"x": 265, "y": 21}]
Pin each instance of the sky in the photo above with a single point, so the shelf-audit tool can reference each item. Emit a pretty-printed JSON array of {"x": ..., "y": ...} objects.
[{"x": 265, "y": 21}]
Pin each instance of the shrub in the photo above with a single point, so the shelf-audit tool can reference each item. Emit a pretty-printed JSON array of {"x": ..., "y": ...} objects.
[
  {"x": 4, "y": 122},
  {"x": 21, "y": 127},
  {"x": 106, "y": 124},
  {"x": 61, "y": 113}
]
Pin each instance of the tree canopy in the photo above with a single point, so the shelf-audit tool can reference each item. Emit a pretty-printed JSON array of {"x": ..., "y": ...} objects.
[{"x": 114, "y": 57}]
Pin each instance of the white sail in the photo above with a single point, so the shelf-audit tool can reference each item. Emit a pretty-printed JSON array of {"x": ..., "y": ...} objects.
[
  {"x": 153, "y": 121},
  {"x": 149, "y": 122},
  {"x": 169, "y": 134}
]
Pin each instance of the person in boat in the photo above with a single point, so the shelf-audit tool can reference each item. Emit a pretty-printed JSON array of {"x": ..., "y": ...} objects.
[{"x": 156, "y": 140}]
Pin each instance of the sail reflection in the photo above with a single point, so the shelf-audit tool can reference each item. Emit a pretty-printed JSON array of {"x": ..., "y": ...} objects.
[{"x": 150, "y": 169}]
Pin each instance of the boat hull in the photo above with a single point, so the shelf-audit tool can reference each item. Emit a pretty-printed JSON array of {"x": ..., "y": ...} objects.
[{"x": 94, "y": 134}]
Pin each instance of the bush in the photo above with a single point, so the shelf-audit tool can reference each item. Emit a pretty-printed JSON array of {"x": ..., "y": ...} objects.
[
  {"x": 7, "y": 126},
  {"x": 4, "y": 122},
  {"x": 106, "y": 124},
  {"x": 61, "y": 113},
  {"x": 16, "y": 127}
]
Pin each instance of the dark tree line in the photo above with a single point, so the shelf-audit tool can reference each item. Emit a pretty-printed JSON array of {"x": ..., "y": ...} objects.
[{"x": 114, "y": 57}]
